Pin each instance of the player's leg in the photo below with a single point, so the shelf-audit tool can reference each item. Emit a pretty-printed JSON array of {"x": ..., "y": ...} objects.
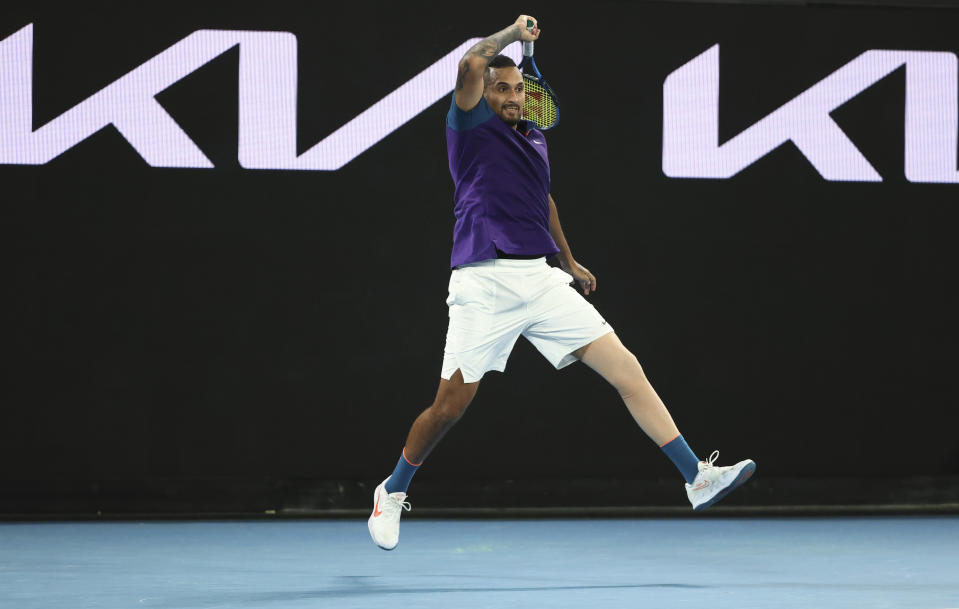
[
  {"x": 486, "y": 318},
  {"x": 705, "y": 483},
  {"x": 389, "y": 498},
  {"x": 615, "y": 363},
  {"x": 452, "y": 399},
  {"x": 566, "y": 327}
]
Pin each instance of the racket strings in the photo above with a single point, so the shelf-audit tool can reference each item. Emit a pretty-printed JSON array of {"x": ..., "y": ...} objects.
[{"x": 540, "y": 107}]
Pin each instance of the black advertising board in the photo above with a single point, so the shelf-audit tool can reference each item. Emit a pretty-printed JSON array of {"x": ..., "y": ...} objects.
[{"x": 227, "y": 237}]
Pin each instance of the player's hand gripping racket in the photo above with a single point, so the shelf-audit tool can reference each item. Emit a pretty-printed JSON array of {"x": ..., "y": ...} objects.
[{"x": 541, "y": 107}]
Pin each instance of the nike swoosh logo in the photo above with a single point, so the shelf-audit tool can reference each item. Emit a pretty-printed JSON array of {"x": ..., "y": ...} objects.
[
  {"x": 701, "y": 485},
  {"x": 376, "y": 508},
  {"x": 536, "y": 142}
]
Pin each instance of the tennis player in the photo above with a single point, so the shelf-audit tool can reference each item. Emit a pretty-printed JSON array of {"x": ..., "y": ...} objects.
[{"x": 501, "y": 287}]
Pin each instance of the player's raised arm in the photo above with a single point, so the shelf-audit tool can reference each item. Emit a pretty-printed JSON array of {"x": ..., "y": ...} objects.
[{"x": 472, "y": 68}]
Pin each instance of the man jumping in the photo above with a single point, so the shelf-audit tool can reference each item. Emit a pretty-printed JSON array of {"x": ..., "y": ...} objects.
[{"x": 501, "y": 287}]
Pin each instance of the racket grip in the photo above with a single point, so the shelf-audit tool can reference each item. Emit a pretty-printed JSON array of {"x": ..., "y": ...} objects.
[{"x": 528, "y": 46}]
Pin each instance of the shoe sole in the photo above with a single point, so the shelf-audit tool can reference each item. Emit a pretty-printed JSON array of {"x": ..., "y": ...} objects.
[{"x": 744, "y": 474}]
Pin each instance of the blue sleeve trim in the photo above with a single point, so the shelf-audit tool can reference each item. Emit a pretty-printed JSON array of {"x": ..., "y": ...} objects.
[{"x": 461, "y": 120}]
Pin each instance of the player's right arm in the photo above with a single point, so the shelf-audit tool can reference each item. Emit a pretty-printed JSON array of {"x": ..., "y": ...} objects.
[{"x": 472, "y": 68}]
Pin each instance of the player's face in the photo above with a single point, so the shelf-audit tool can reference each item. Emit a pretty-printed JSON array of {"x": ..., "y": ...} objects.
[{"x": 505, "y": 94}]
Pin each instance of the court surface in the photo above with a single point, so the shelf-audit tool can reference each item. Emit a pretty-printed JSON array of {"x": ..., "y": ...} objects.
[{"x": 907, "y": 562}]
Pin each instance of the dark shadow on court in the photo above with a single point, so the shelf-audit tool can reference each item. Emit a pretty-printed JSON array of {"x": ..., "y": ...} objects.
[{"x": 363, "y": 588}]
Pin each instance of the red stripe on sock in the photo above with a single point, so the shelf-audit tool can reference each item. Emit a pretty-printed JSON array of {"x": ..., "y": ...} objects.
[
  {"x": 677, "y": 435},
  {"x": 408, "y": 459}
]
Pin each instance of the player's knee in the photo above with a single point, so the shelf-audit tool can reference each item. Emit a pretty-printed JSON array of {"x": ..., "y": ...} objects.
[
  {"x": 629, "y": 376},
  {"x": 631, "y": 363},
  {"x": 450, "y": 408}
]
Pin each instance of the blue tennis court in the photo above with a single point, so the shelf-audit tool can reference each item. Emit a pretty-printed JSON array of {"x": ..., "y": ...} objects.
[{"x": 895, "y": 562}]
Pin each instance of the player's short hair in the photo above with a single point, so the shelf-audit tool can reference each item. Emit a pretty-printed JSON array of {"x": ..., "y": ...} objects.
[{"x": 500, "y": 61}]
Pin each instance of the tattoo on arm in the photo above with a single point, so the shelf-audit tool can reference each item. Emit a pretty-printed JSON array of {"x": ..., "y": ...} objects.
[
  {"x": 461, "y": 77},
  {"x": 487, "y": 49}
]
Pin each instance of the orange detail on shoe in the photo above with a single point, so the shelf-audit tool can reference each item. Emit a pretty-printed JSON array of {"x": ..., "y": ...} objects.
[
  {"x": 702, "y": 484},
  {"x": 376, "y": 508},
  {"x": 408, "y": 459},
  {"x": 677, "y": 435}
]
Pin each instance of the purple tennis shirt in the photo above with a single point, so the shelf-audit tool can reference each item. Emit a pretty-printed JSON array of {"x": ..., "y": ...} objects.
[{"x": 501, "y": 177}]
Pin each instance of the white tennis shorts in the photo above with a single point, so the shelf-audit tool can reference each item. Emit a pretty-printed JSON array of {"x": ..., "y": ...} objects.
[{"x": 493, "y": 302}]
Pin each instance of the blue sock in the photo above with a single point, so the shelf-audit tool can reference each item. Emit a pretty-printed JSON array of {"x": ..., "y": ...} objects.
[
  {"x": 682, "y": 457},
  {"x": 400, "y": 478}
]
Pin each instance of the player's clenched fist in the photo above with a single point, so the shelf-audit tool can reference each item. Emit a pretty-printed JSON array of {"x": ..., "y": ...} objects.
[{"x": 525, "y": 34}]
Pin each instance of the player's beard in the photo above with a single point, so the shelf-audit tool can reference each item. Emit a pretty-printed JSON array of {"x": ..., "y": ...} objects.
[{"x": 513, "y": 117}]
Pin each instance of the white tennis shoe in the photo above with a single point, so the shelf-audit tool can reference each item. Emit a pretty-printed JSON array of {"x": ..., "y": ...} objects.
[
  {"x": 712, "y": 483},
  {"x": 384, "y": 524}
]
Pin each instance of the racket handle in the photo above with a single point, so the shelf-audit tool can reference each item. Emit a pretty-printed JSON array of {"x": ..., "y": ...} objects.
[{"x": 528, "y": 46}]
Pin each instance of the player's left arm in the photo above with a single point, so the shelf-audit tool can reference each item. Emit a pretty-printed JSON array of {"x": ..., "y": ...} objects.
[{"x": 584, "y": 279}]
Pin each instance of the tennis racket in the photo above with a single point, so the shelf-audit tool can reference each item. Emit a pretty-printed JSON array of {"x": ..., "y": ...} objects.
[{"x": 541, "y": 107}]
